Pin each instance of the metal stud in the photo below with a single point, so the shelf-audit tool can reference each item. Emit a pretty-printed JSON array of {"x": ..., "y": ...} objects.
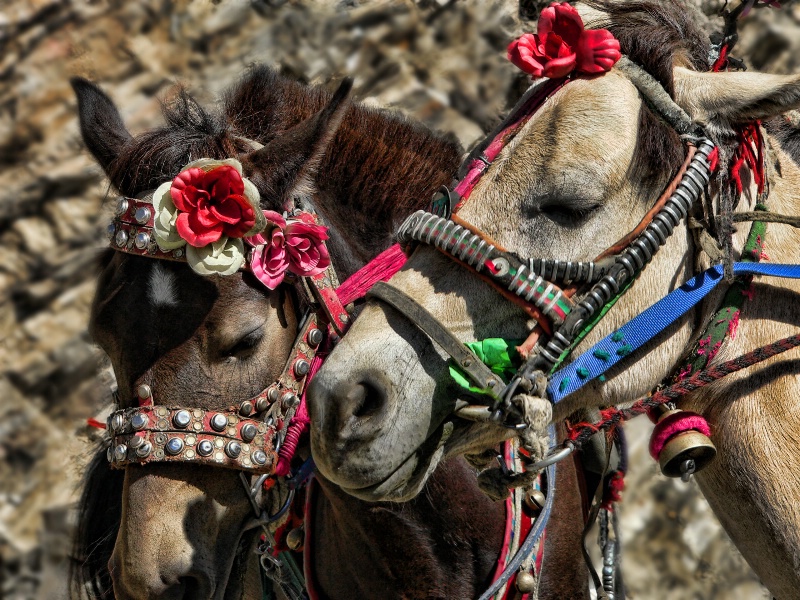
[
  {"x": 117, "y": 422},
  {"x": 178, "y": 253},
  {"x": 110, "y": 231},
  {"x": 121, "y": 238},
  {"x": 139, "y": 421},
  {"x": 272, "y": 394},
  {"x": 109, "y": 454},
  {"x": 261, "y": 404},
  {"x": 246, "y": 408},
  {"x": 219, "y": 422},
  {"x": 120, "y": 452},
  {"x": 122, "y": 206},
  {"x": 142, "y": 215},
  {"x": 248, "y": 432},
  {"x": 259, "y": 457},
  {"x": 182, "y": 419},
  {"x": 174, "y": 446},
  {"x": 141, "y": 240},
  {"x": 290, "y": 400},
  {"x": 144, "y": 392},
  {"x": 233, "y": 449},
  {"x": 144, "y": 450},
  {"x": 205, "y": 448},
  {"x": 301, "y": 368},
  {"x": 135, "y": 441},
  {"x": 315, "y": 337}
]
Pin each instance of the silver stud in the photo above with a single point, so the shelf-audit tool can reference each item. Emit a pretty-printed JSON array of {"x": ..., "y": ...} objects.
[
  {"x": 261, "y": 404},
  {"x": 138, "y": 421},
  {"x": 144, "y": 450},
  {"x": 219, "y": 422},
  {"x": 135, "y": 441},
  {"x": 122, "y": 206},
  {"x": 290, "y": 400},
  {"x": 142, "y": 215},
  {"x": 109, "y": 454},
  {"x": 315, "y": 337},
  {"x": 120, "y": 452},
  {"x": 177, "y": 253},
  {"x": 272, "y": 394},
  {"x": 245, "y": 408},
  {"x": 141, "y": 240},
  {"x": 205, "y": 448},
  {"x": 174, "y": 446},
  {"x": 110, "y": 231},
  {"x": 182, "y": 419},
  {"x": 121, "y": 238},
  {"x": 233, "y": 449},
  {"x": 144, "y": 392},
  {"x": 301, "y": 368},
  {"x": 259, "y": 457},
  {"x": 117, "y": 422},
  {"x": 248, "y": 432}
]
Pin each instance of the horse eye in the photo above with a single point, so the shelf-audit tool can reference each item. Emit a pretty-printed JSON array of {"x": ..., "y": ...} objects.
[
  {"x": 245, "y": 346},
  {"x": 568, "y": 215}
]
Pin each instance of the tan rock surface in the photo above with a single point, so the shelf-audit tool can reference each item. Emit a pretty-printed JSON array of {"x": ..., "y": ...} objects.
[{"x": 438, "y": 61}]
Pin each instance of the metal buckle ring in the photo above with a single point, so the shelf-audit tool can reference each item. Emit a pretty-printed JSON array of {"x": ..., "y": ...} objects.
[{"x": 552, "y": 457}]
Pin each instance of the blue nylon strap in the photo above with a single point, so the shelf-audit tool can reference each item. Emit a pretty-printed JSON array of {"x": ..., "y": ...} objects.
[{"x": 647, "y": 325}]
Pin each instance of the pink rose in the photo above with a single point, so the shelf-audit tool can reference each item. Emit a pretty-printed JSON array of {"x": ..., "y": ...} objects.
[
  {"x": 562, "y": 46},
  {"x": 212, "y": 204},
  {"x": 295, "y": 246}
]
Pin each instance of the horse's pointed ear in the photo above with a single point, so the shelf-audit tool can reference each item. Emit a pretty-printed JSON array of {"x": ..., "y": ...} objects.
[
  {"x": 101, "y": 124},
  {"x": 736, "y": 97},
  {"x": 288, "y": 165}
]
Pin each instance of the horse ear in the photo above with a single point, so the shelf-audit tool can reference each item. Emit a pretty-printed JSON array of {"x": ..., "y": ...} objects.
[
  {"x": 288, "y": 165},
  {"x": 737, "y": 97},
  {"x": 101, "y": 124}
]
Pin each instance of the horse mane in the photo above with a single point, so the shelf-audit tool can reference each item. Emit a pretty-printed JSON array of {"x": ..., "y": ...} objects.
[
  {"x": 100, "y": 510},
  {"x": 265, "y": 104},
  {"x": 656, "y": 35}
]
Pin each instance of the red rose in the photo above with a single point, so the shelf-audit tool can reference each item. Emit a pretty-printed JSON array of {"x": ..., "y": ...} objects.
[
  {"x": 562, "y": 46},
  {"x": 304, "y": 245},
  {"x": 212, "y": 203}
]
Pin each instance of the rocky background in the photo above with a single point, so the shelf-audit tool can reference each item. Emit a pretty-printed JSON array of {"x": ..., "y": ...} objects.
[{"x": 439, "y": 61}]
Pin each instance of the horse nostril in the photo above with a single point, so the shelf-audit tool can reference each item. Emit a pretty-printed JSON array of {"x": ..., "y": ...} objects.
[{"x": 365, "y": 399}]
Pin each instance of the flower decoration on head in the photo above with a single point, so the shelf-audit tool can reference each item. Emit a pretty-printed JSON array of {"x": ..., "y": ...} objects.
[
  {"x": 292, "y": 245},
  {"x": 209, "y": 207},
  {"x": 562, "y": 46}
]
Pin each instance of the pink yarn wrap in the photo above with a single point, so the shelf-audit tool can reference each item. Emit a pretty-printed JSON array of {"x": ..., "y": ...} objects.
[
  {"x": 381, "y": 268},
  {"x": 673, "y": 425}
]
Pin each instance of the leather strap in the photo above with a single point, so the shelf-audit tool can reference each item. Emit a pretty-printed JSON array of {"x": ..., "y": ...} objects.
[{"x": 474, "y": 368}]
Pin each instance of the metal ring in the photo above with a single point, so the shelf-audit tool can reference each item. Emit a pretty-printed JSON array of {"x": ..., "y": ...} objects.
[{"x": 552, "y": 457}]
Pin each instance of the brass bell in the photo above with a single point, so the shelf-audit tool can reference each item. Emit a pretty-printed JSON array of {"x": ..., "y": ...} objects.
[
  {"x": 526, "y": 583},
  {"x": 295, "y": 539},
  {"x": 686, "y": 453},
  {"x": 534, "y": 500}
]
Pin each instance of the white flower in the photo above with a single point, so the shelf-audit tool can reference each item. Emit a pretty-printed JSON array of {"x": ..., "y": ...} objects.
[
  {"x": 166, "y": 214},
  {"x": 223, "y": 257}
]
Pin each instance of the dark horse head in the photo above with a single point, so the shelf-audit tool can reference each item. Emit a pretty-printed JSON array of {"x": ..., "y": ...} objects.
[{"x": 180, "y": 530}]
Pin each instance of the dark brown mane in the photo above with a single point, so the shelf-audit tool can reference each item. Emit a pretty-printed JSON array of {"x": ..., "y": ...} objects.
[
  {"x": 656, "y": 35},
  {"x": 368, "y": 144}
]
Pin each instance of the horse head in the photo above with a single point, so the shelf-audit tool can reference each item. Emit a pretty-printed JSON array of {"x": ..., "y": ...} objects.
[{"x": 582, "y": 172}]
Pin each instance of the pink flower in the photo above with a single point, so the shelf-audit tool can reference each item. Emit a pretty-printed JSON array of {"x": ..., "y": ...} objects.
[
  {"x": 212, "y": 204},
  {"x": 562, "y": 46},
  {"x": 295, "y": 246}
]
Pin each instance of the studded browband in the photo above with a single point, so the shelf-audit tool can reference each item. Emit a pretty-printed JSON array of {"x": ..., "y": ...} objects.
[{"x": 246, "y": 437}]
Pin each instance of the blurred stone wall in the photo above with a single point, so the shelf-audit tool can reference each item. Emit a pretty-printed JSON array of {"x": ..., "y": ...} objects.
[{"x": 438, "y": 61}]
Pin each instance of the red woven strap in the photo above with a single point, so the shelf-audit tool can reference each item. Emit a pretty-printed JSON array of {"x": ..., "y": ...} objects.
[{"x": 149, "y": 434}]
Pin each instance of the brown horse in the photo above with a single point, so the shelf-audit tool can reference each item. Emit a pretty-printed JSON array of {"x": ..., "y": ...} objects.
[
  {"x": 578, "y": 176},
  {"x": 181, "y": 531}
]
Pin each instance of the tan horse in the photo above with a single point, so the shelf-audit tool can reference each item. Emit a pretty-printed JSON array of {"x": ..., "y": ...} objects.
[{"x": 582, "y": 173}]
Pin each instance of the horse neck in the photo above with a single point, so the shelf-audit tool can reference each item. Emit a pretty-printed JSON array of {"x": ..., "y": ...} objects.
[{"x": 443, "y": 544}]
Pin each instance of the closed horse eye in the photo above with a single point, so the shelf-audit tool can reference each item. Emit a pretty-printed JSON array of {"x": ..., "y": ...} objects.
[
  {"x": 244, "y": 346},
  {"x": 568, "y": 215}
]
